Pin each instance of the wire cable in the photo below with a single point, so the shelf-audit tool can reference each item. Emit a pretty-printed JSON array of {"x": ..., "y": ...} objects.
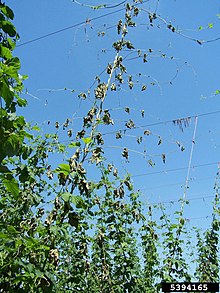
[
  {"x": 189, "y": 199},
  {"x": 147, "y": 189},
  {"x": 174, "y": 170},
  {"x": 190, "y": 158},
  {"x": 163, "y": 122},
  {"x": 78, "y": 24},
  {"x": 149, "y": 125},
  {"x": 69, "y": 27},
  {"x": 105, "y": 6}
]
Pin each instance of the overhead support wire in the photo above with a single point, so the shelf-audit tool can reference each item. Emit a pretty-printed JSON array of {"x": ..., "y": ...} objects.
[
  {"x": 190, "y": 158},
  {"x": 87, "y": 21},
  {"x": 105, "y": 6},
  {"x": 163, "y": 122},
  {"x": 68, "y": 28},
  {"x": 174, "y": 170},
  {"x": 172, "y": 201},
  {"x": 104, "y": 15}
]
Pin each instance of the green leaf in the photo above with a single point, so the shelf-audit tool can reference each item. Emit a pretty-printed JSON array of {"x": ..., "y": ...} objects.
[
  {"x": 7, "y": 12},
  {"x": 8, "y": 28},
  {"x": 24, "y": 77},
  {"x": 63, "y": 168},
  {"x": 210, "y": 25},
  {"x": 217, "y": 92},
  {"x": 31, "y": 242},
  {"x": 19, "y": 121},
  {"x": 36, "y": 128},
  {"x": 11, "y": 185},
  {"x": 26, "y": 151},
  {"x": 75, "y": 199},
  {"x": 3, "y": 235},
  {"x": 21, "y": 102},
  {"x": 74, "y": 144},
  {"x": 87, "y": 140},
  {"x": 182, "y": 221},
  {"x": 24, "y": 174},
  {"x": 5, "y": 92},
  {"x": 11, "y": 145},
  {"x": 11, "y": 68},
  {"x": 23, "y": 133},
  {"x": 61, "y": 148},
  {"x": 18, "y": 243},
  {"x": 11, "y": 43},
  {"x": 66, "y": 196},
  {"x": 38, "y": 273},
  {"x": 78, "y": 201},
  {"x": 5, "y": 52},
  {"x": 12, "y": 229},
  {"x": 14, "y": 62}
]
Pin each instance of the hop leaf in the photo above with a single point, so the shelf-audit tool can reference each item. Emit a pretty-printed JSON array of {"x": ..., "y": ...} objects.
[
  {"x": 160, "y": 141},
  {"x": 151, "y": 163},
  {"x": 127, "y": 110},
  {"x": 118, "y": 135},
  {"x": 144, "y": 87},
  {"x": 130, "y": 124},
  {"x": 115, "y": 172},
  {"x": 125, "y": 153},
  {"x": 147, "y": 132}
]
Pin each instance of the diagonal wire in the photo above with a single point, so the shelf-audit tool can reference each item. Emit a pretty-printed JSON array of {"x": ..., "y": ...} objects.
[
  {"x": 174, "y": 170},
  {"x": 190, "y": 158},
  {"x": 69, "y": 27},
  {"x": 78, "y": 24},
  {"x": 162, "y": 122}
]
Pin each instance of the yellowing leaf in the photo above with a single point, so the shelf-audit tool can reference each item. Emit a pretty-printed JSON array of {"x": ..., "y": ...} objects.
[{"x": 87, "y": 140}]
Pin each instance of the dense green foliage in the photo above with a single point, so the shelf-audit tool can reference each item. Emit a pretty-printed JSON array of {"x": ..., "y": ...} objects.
[{"x": 61, "y": 231}]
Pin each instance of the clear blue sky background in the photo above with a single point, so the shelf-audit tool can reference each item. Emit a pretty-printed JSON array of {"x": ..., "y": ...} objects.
[{"x": 71, "y": 59}]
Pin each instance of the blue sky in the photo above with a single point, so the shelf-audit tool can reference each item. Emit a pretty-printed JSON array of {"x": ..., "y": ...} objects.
[{"x": 181, "y": 78}]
